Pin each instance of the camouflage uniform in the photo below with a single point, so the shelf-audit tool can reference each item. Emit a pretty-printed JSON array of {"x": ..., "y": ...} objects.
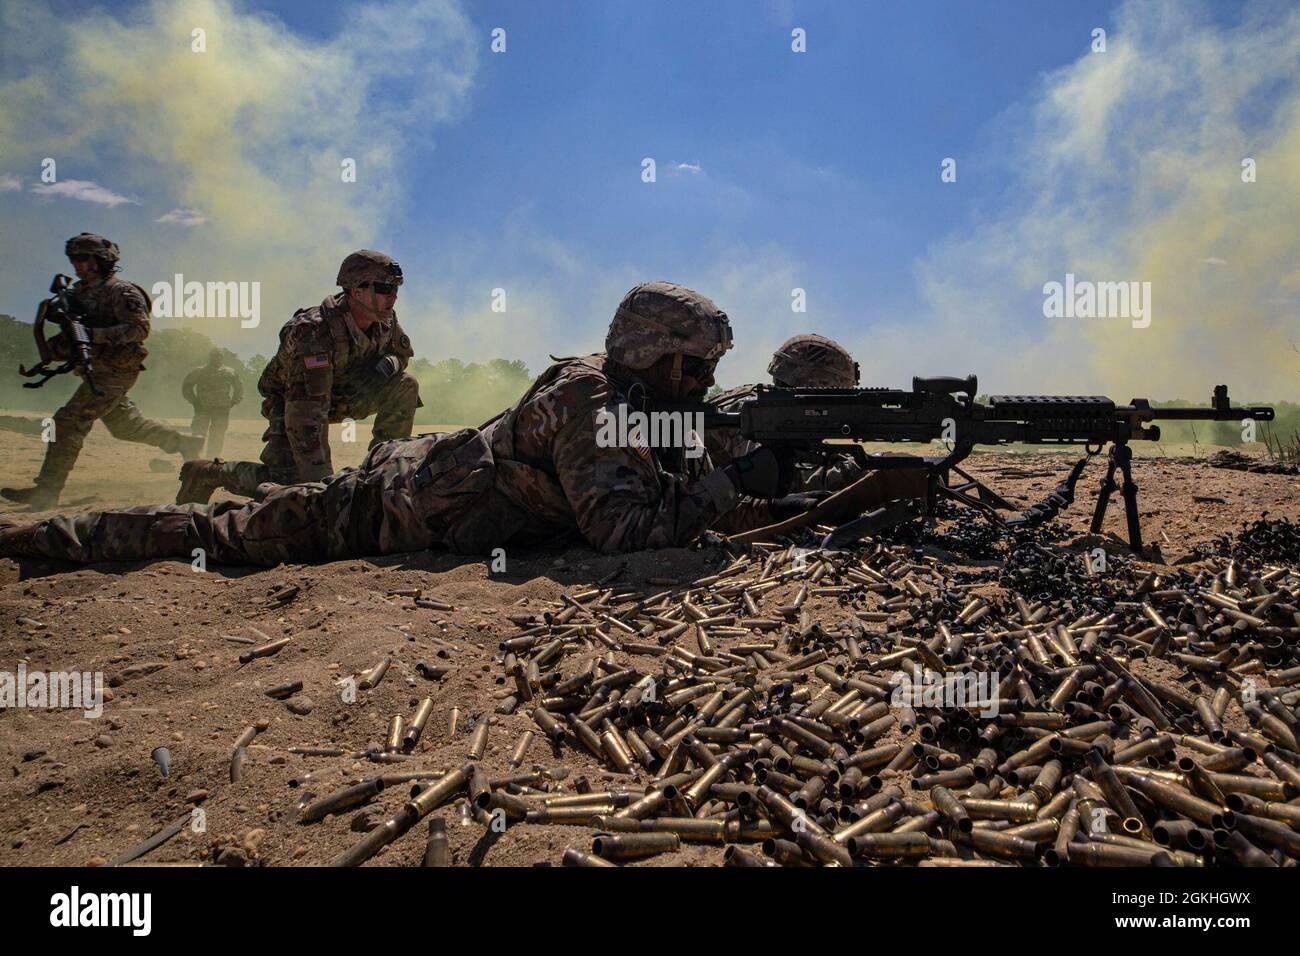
[
  {"x": 323, "y": 372},
  {"x": 117, "y": 317},
  {"x": 213, "y": 390},
  {"x": 804, "y": 361},
  {"x": 536, "y": 473}
]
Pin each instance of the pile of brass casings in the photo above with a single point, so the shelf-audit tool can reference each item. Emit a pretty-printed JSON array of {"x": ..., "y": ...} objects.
[{"x": 805, "y": 708}]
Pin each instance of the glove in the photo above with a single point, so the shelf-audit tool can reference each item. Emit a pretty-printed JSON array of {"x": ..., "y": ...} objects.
[
  {"x": 58, "y": 346},
  {"x": 757, "y": 474},
  {"x": 381, "y": 371},
  {"x": 791, "y": 505}
]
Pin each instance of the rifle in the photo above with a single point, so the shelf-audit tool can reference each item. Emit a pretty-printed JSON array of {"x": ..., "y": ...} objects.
[
  {"x": 801, "y": 421},
  {"x": 66, "y": 311}
]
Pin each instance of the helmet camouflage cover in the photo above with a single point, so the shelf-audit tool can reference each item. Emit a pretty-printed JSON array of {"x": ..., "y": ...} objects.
[
  {"x": 366, "y": 265},
  {"x": 661, "y": 318},
  {"x": 89, "y": 244},
  {"x": 813, "y": 361}
]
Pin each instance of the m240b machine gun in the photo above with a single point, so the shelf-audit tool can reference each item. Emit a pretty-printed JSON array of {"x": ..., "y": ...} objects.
[{"x": 803, "y": 421}]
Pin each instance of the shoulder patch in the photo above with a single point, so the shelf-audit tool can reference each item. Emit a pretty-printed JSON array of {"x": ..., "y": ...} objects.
[
  {"x": 316, "y": 360},
  {"x": 133, "y": 298}
]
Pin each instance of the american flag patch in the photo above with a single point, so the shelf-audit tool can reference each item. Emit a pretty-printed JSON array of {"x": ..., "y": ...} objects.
[
  {"x": 637, "y": 442},
  {"x": 319, "y": 360}
]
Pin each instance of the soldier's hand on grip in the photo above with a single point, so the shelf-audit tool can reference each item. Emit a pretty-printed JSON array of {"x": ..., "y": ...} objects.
[
  {"x": 757, "y": 474},
  {"x": 59, "y": 348}
]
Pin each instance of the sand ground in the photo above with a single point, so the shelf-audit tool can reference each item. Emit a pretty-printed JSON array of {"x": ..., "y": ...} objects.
[{"x": 76, "y": 790}]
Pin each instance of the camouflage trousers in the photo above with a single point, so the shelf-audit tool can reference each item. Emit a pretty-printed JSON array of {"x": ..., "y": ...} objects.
[
  {"x": 393, "y": 406},
  {"x": 291, "y": 525},
  {"x": 211, "y": 423},
  {"x": 435, "y": 490},
  {"x": 72, "y": 423}
]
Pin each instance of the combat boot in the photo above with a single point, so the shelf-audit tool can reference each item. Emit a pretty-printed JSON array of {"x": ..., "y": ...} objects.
[
  {"x": 199, "y": 479},
  {"x": 37, "y": 497},
  {"x": 191, "y": 447},
  {"x": 19, "y": 541}
]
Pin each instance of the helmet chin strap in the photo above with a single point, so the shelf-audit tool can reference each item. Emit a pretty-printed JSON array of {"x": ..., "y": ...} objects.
[
  {"x": 676, "y": 376},
  {"x": 356, "y": 302}
]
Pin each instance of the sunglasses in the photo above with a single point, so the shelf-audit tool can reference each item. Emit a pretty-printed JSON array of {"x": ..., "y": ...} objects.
[
  {"x": 80, "y": 257},
  {"x": 697, "y": 367},
  {"x": 380, "y": 288}
]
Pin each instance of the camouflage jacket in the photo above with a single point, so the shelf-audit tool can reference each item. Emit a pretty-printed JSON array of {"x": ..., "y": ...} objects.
[
  {"x": 552, "y": 477},
  {"x": 117, "y": 317},
  {"x": 316, "y": 375},
  {"x": 725, "y": 445},
  {"x": 213, "y": 387}
]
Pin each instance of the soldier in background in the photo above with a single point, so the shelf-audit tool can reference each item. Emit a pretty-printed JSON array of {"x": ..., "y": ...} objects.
[
  {"x": 117, "y": 317},
  {"x": 537, "y": 473},
  {"x": 803, "y": 361},
  {"x": 345, "y": 358},
  {"x": 213, "y": 390}
]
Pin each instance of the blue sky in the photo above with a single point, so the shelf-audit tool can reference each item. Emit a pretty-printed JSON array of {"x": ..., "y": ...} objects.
[{"x": 775, "y": 170}]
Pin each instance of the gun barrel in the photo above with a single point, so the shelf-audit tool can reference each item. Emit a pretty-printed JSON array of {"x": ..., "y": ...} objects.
[
  {"x": 1220, "y": 410},
  {"x": 1260, "y": 413}
]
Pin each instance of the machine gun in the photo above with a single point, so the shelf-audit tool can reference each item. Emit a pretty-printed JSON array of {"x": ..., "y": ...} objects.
[
  {"x": 799, "y": 422},
  {"x": 66, "y": 311}
]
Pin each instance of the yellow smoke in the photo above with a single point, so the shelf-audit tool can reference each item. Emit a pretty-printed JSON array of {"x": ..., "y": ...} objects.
[
  {"x": 1127, "y": 165},
  {"x": 252, "y": 132}
]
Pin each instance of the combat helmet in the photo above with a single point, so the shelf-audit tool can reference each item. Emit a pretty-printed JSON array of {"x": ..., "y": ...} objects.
[
  {"x": 661, "y": 318},
  {"x": 89, "y": 244},
  {"x": 366, "y": 265},
  {"x": 813, "y": 361}
]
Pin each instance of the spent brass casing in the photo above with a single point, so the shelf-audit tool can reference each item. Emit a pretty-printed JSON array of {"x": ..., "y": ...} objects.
[
  {"x": 437, "y": 852},
  {"x": 947, "y": 803},
  {"x": 374, "y": 675},
  {"x": 396, "y": 727},
  {"x": 687, "y": 829},
  {"x": 1000, "y": 844},
  {"x": 633, "y": 846},
  {"x": 575, "y": 857},
  {"x": 738, "y": 856},
  {"x": 521, "y": 749},
  {"x": 478, "y": 743},
  {"x": 341, "y": 800},
  {"x": 888, "y": 846},
  {"x": 436, "y": 794},
  {"x": 416, "y": 728}
]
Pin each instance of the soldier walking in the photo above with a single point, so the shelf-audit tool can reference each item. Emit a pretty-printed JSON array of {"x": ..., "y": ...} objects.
[{"x": 213, "y": 390}]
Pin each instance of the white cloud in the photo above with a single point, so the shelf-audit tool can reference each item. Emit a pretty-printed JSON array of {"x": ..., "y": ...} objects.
[
  {"x": 686, "y": 169},
  {"x": 183, "y": 217},
  {"x": 10, "y": 183},
  {"x": 1214, "y": 261},
  {"x": 84, "y": 190}
]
